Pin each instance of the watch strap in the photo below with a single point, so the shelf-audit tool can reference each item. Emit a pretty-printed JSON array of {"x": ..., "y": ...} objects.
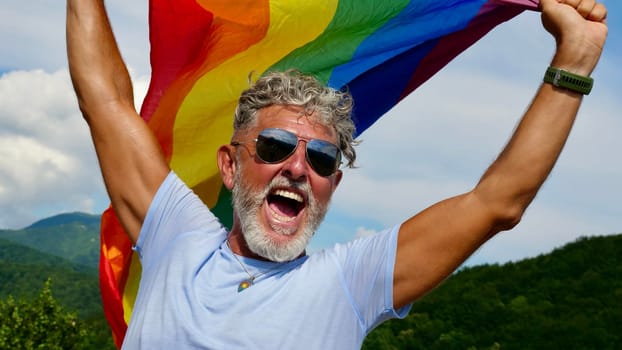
[{"x": 570, "y": 81}]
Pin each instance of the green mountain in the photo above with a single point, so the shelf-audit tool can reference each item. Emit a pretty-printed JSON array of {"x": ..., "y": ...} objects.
[
  {"x": 23, "y": 272},
  {"x": 72, "y": 236},
  {"x": 570, "y": 298},
  {"x": 67, "y": 219}
]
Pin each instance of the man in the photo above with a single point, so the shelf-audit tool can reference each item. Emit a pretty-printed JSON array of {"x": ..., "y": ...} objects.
[{"x": 204, "y": 287}]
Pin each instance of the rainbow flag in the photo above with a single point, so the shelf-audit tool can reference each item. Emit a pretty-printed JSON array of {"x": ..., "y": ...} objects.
[{"x": 202, "y": 52}]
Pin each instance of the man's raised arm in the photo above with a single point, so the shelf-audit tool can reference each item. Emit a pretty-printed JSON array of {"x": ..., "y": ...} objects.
[
  {"x": 436, "y": 241},
  {"x": 129, "y": 156}
]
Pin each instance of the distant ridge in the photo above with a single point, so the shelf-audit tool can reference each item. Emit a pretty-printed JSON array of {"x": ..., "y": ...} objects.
[
  {"x": 72, "y": 236},
  {"x": 67, "y": 218}
]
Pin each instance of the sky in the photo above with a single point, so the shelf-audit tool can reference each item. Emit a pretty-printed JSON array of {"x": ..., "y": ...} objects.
[{"x": 433, "y": 145}]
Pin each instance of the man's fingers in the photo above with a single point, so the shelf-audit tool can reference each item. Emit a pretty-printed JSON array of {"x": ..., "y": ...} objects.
[
  {"x": 598, "y": 13},
  {"x": 589, "y": 9},
  {"x": 573, "y": 3},
  {"x": 585, "y": 7}
]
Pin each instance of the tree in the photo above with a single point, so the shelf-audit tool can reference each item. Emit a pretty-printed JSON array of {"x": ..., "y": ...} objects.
[{"x": 40, "y": 324}]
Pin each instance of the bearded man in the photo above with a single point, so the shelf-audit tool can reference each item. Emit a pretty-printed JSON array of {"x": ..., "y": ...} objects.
[{"x": 255, "y": 287}]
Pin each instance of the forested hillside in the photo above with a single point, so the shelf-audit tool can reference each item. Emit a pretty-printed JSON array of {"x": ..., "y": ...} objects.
[
  {"x": 23, "y": 272},
  {"x": 568, "y": 299}
]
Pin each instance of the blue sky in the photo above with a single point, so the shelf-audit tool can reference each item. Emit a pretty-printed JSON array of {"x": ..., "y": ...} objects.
[{"x": 433, "y": 145}]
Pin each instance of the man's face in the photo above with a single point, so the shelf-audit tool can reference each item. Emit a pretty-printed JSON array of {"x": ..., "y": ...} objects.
[{"x": 279, "y": 206}]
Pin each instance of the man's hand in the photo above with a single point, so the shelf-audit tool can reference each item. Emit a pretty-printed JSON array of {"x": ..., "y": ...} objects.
[{"x": 580, "y": 30}]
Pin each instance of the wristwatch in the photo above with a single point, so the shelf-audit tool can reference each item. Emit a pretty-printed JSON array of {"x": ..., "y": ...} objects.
[{"x": 564, "y": 79}]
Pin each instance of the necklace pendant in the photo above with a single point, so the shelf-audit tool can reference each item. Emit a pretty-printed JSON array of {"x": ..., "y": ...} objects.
[{"x": 244, "y": 285}]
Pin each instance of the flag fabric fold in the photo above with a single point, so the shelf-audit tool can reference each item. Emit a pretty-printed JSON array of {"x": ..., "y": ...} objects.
[{"x": 203, "y": 51}]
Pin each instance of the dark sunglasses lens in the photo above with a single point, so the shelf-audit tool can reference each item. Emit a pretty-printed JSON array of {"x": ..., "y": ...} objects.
[
  {"x": 323, "y": 156},
  {"x": 274, "y": 145}
]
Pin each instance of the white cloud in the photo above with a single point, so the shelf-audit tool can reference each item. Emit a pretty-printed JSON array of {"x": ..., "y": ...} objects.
[
  {"x": 45, "y": 148},
  {"x": 47, "y": 161},
  {"x": 25, "y": 158},
  {"x": 364, "y": 232}
]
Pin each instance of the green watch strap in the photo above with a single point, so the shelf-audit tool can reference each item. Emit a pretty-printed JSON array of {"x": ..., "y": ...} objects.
[{"x": 564, "y": 79}]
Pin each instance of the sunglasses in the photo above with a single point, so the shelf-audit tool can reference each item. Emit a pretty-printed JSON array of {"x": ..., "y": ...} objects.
[{"x": 276, "y": 145}]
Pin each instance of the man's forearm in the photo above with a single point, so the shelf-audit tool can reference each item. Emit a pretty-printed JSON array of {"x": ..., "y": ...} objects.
[
  {"x": 516, "y": 176},
  {"x": 97, "y": 69}
]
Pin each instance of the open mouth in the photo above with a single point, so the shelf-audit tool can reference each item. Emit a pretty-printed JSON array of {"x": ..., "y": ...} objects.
[{"x": 285, "y": 205}]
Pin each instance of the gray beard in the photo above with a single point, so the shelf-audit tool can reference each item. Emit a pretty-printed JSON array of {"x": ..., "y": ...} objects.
[{"x": 247, "y": 203}]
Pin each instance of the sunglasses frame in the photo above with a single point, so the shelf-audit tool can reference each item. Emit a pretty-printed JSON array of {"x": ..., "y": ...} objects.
[{"x": 286, "y": 136}]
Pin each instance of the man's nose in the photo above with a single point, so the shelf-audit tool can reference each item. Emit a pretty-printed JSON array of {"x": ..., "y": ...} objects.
[{"x": 296, "y": 167}]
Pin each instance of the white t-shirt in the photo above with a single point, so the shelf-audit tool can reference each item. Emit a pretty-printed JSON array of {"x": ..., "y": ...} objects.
[{"x": 188, "y": 296}]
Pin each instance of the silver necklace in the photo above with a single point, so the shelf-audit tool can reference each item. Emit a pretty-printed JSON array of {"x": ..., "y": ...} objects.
[{"x": 251, "y": 278}]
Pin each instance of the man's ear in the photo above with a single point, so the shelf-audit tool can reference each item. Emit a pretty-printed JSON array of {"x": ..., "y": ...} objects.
[
  {"x": 338, "y": 175},
  {"x": 226, "y": 165}
]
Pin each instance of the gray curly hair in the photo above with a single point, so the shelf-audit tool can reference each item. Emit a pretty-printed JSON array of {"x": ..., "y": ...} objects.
[{"x": 333, "y": 107}]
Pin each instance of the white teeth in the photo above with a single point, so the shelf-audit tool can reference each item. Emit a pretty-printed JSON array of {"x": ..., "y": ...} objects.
[
  {"x": 281, "y": 218},
  {"x": 290, "y": 195}
]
